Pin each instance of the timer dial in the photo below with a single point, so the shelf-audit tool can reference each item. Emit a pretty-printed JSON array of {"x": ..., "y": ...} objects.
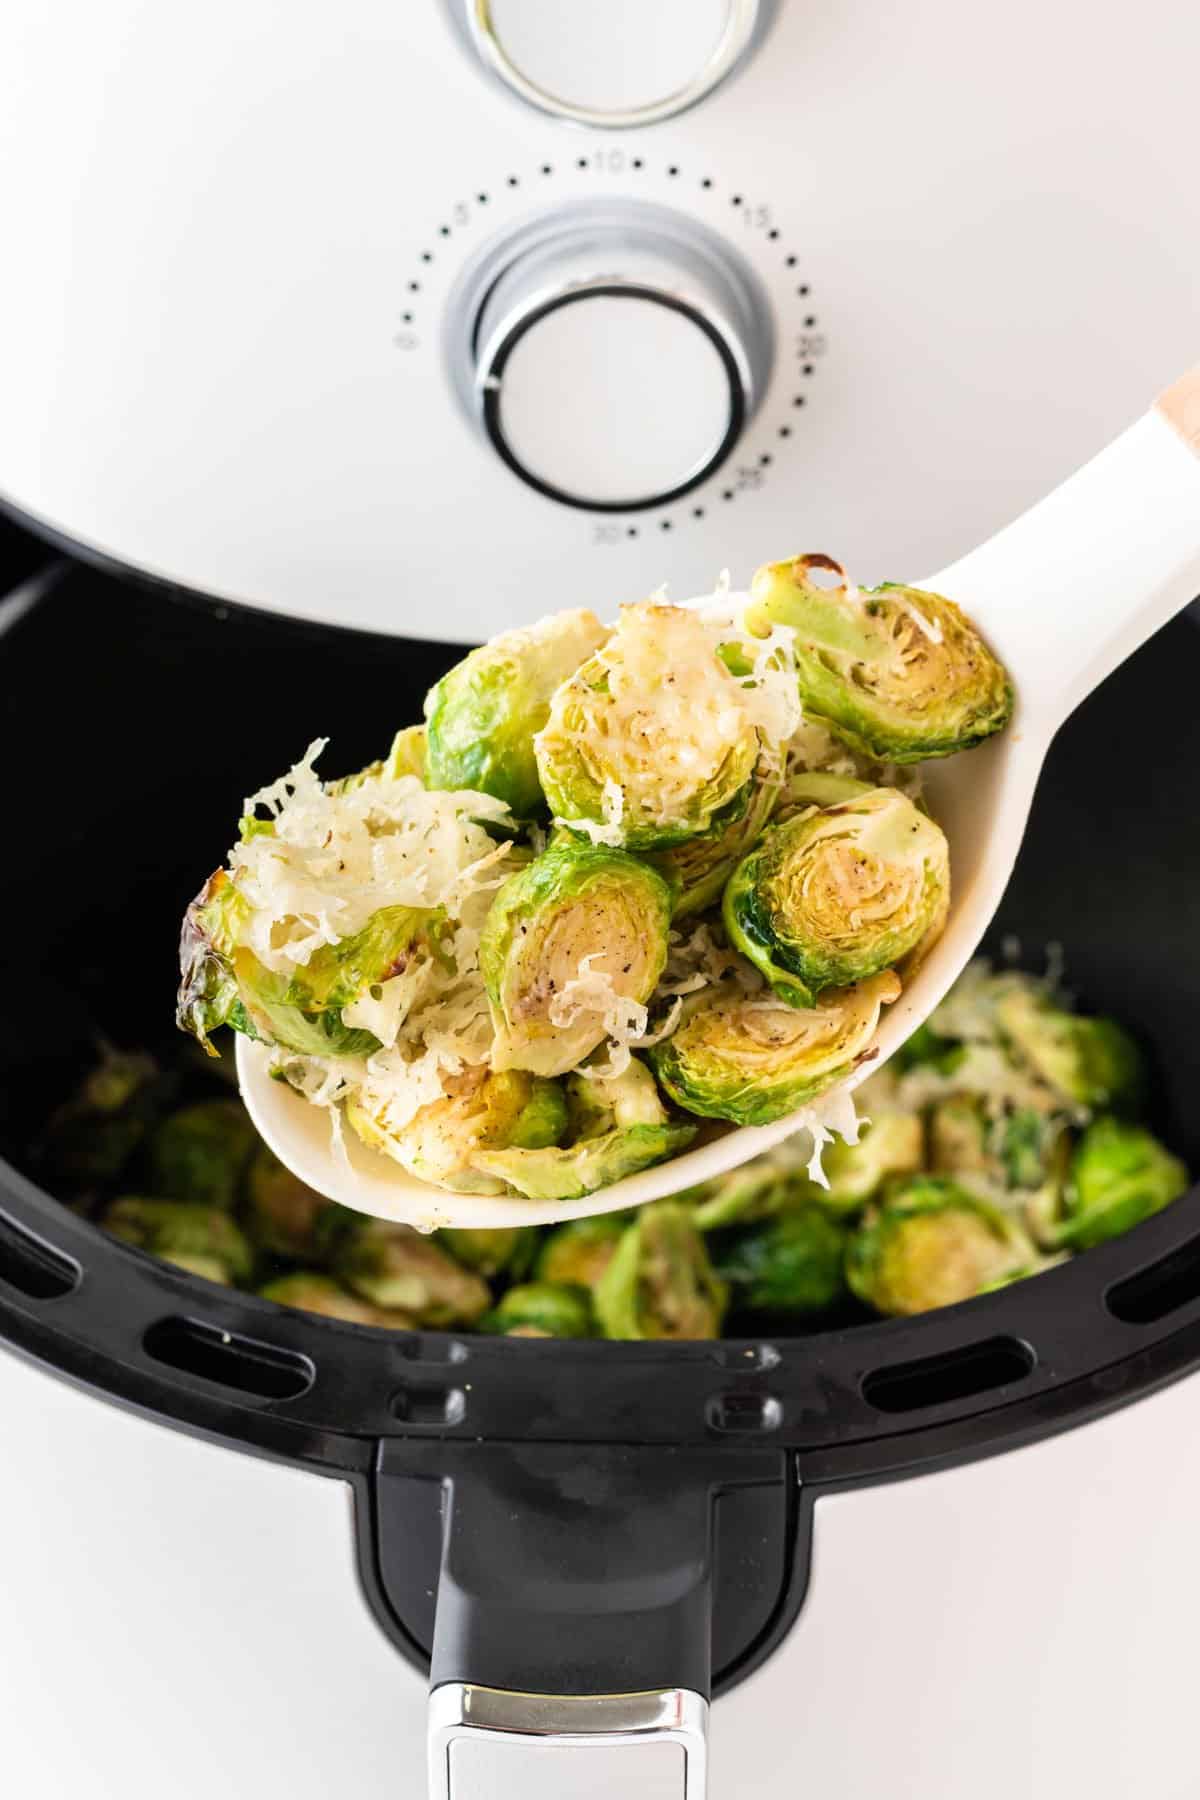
[{"x": 613, "y": 353}]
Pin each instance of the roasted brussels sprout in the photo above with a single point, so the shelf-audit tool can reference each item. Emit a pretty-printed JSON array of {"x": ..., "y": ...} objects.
[
  {"x": 89, "y": 1140},
  {"x": 958, "y": 1137},
  {"x": 1025, "y": 1140},
  {"x": 1120, "y": 1174},
  {"x": 442, "y": 1143},
  {"x": 282, "y": 1214},
  {"x": 570, "y": 944},
  {"x": 493, "y": 1252},
  {"x": 791, "y": 1264},
  {"x": 395, "y": 1267},
  {"x": 931, "y": 1243},
  {"x": 308, "y": 1292},
  {"x": 482, "y": 716},
  {"x": 203, "y": 1240},
  {"x": 579, "y": 1252},
  {"x": 225, "y": 983},
  {"x": 1088, "y": 1062},
  {"x": 660, "y": 1283},
  {"x": 753, "y": 1058},
  {"x": 650, "y": 740},
  {"x": 892, "y": 1143},
  {"x": 834, "y": 896},
  {"x": 550, "y": 1309},
  {"x": 199, "y": 1153},
  {"x": 896, "y": 673},
  {"x": 699, "y": 869},
  {"x": 619, "y": 1126},
  {"x": 748, "y": 1195}
]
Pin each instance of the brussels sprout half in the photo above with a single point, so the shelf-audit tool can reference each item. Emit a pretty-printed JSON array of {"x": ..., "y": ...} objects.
[
  {"x": 224, "y": 983},
  {"x": 1088, "y": 1062},
  {"x": 199, "y": 1153},
  {"x": 313, "y": 1293},
  {"x": 660, "y": 1283},
  {"x": 834, "y": 896},
  {"x": 897, "y": 673},
  {"x": 550, "y": 1309},
  {"x": 394, "y": 1267},
  {"x": 283, "y": 1214},
  {"x": 891, "y": 1143},
  {"x": 443, "y": 1141},
  {"x": 406, "y": 757},
  {"x": 699, "y": 869},
  {"x": 931, "y": 1243},
  {"x": 792, "y": 1264},
  {"x": 650, "y": 740},
  {"x": 1120, "y": 1174},
  {"x": 494, "y": 1251},
  {"x": 620, "y": 1126},
  {"x": 482, "y": 716},
  {"x": 753, "y": 1059},
  {"x": 579, "y": 1252},
  {"x": 203, "y": 1240},
  {"x": 579, "y": 913}
]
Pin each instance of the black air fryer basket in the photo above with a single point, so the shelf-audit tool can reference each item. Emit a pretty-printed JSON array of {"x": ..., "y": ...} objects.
[{"x": 616, "y": 1517}]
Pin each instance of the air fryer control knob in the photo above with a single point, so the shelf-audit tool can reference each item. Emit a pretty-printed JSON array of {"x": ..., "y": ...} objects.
[{"x": 617, "y": 351}]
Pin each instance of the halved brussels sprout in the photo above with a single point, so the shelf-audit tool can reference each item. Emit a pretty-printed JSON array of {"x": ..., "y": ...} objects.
[
  {"x": 891, "y": 1143},
  {"x": 958, "y": 1137},
  {"x": 579, "y": 1252},
  {"x": 550, "y": 1309},
  {"x": 931, "y": 1243},
  {"x": 1120, "y": 1174},
  {"x": 660, "y": 1283},
  {"x": 650, "y": 741},
  {"x": 619, "y": 1126},
  {"x": 897, "y": 673},
  {"x": 1088, "y": 1062},
  {"x": 224, "y": 983},
  {"x": 202, "y": 1240},
  {"x": 443, "y": 1141},
  {"x": 89, "y": 1140},
  {"x": 792, "y": 1264},
  {"x": 507, "y": 1251},
  {"x": 200, "y": 1152},
  {"x": 568, "y": 943},
  {"x": 284, "y": 1215},
  {"x": 834, "y": 896},
  {"x": 395, "y": 1267},
  {"x": 309, "y": 1292},
  {"x": 699, "y": 869},
  {"x": 481, "y": 716},
  {"x": 753, "y": 1058}
]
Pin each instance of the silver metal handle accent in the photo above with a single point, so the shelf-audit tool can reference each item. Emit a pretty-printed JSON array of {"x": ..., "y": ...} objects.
[
  {"x": 485, "y": 1744},
  {"x": 740, "y": 22}
]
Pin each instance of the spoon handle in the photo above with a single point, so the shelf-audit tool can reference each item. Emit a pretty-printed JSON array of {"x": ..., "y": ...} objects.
[{"x": 1075, "y": 585}]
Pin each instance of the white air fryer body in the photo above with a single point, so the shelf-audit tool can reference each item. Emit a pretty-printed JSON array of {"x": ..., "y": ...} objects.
[
  {"x": 181, "y": 1617},
  {"x": 235, "y": 352}
]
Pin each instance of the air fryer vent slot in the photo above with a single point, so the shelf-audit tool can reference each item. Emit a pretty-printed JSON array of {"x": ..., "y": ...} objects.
[
  {"x": 32, "y": 1267},
  {"x": 950, "y": 1375},
  {"x": 263, "y": 1371},
  {"x": 1163, "y": 1288}
]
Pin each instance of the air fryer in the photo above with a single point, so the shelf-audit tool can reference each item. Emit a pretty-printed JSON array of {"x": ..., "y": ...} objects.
[{"x": 579, "y": 1543}]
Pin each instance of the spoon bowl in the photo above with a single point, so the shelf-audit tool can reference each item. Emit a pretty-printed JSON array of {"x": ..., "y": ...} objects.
[{"x": 1064, "y": 594}]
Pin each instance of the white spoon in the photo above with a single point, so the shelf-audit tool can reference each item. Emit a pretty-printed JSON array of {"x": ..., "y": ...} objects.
[{"x": 1064, "y": 595}]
